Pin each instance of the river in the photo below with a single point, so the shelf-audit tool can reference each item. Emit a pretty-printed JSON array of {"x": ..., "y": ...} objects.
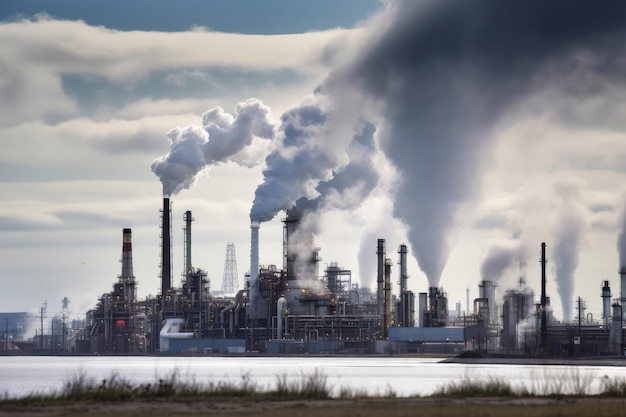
[{"x": 406, "y": 376}]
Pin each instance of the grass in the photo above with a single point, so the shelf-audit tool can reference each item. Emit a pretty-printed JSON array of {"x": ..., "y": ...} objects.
[{"x": 313, "y": 386}]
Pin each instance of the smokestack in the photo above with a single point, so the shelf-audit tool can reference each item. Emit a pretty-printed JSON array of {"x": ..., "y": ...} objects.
[
  {"x": 380, "y": 251},
  {"x": 127, "y": 254},
  {"x": 622, "y": 273},
  {"x": 387, "y": 300},
  {"x": 606, "y": 300},
  {"x": 254, "y": 270},
  {"x": 166, "y": 248},
  {"x": 188, "y": 219},
  {"x": 127, "y": 278},
  {"x": 403, "y": 268}
]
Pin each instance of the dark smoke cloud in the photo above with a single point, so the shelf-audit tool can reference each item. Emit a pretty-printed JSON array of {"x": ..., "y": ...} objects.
[
  {"x": 221, "y": 138},
  {"x": 445, "y": 72}
]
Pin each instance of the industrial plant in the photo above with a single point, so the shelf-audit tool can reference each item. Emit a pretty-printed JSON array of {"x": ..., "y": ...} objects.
[{"x": 295, "y": 308}]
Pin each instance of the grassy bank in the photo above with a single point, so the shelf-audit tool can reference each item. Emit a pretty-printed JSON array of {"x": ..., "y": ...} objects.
[{"x": 562, "y": 394}]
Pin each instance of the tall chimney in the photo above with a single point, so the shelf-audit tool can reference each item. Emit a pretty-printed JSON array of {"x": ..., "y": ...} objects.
[
  {"x": 127, "y": 254},
  {"x": 166, "y": 248},
  {"x": 188, "y": 219},
  {"x": 254, "y": 271},
  {"x": 127, "y": 278},
  {"x": 387, "y": 300},
  {"x": 380, "y": 251},
  {"x": 606, "y": 301},
  {"x": 622, "y": 273},
  {"x": 403, "y": 268}
]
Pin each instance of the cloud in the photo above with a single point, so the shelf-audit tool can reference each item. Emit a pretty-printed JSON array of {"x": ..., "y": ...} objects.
[{"x": 38, "y": 52}]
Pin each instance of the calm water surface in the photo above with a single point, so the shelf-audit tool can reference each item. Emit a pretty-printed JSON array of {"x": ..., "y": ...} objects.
[{"x": 23, "y": 375}]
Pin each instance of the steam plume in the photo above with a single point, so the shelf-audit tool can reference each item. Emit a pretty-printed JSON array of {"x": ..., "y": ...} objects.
[
  {"x": 313, "y": 150},
  {"x": 501, "y": 258},
  {"x": 444, "y": 74},
  {"x": 221, "y": 138},
  {"x": 572, "y": 227}
]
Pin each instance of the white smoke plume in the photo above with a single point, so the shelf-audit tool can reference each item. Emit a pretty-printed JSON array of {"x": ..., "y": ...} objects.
[
  {"x": 311, "y": 151},
  {"x": 221, "y": 138},
  {"x": 553, "y": 210},
  {"x": 500, "y": 259},
  {"x": 571, "y": 229}
]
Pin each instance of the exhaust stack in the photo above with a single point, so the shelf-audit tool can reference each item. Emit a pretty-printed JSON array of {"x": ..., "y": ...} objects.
[
  {"x": 380, "y": 251},
  {"x": 127, "y": 278},
  {"x": 622, "y": 273},
  {"x": 166, "y": 247},
  {"x": 127, "y": 254},
  {"x": 254, "y": 271}
]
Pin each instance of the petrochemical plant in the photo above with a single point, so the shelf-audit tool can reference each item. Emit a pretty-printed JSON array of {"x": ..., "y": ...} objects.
[{"x": 295, "y": 309}]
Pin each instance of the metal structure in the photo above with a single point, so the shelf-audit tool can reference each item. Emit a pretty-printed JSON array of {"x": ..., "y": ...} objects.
[
  {"x": 294, "y": 309},
  {"x": 230, "y": 278}
]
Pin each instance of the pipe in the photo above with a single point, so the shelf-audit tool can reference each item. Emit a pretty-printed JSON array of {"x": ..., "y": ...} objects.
[
  {"x": 281, "y": 306},
  {"x": 171, "y": 330},
  {"x": 237, "y": 309}
]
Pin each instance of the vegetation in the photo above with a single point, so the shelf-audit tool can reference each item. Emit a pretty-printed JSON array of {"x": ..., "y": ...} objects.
[{"x": 312, "y": 387}]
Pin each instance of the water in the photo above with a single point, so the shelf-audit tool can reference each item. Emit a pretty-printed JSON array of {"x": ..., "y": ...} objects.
[{"x": 23, "y": 375}]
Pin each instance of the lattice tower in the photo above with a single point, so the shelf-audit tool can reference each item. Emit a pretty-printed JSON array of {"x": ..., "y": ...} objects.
[{"x": 230, "y": 280}]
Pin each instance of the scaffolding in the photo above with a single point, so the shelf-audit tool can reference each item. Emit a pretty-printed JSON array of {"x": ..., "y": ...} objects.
[{"x": 230, "y": 280}]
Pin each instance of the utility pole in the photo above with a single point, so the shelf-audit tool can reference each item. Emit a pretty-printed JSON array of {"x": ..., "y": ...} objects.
[{"x": 544, "y": 321}]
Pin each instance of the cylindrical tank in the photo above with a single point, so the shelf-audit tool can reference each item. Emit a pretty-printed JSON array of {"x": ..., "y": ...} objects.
[
  {"x": 423, "y": 305},
  {"x": 615, "y": 333},
  {"x": 281, "y": 307},
  {"x": 487, "y": 289}
]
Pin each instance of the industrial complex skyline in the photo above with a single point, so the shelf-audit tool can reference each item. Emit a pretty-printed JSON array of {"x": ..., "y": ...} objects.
[{"x": 470, "y": 132}]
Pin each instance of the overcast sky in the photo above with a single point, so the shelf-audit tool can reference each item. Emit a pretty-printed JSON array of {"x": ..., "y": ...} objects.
[{"x": 470, "y": 131}]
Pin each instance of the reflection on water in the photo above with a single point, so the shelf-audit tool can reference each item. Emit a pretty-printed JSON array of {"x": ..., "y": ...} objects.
[{"x": 23, "y": 375}]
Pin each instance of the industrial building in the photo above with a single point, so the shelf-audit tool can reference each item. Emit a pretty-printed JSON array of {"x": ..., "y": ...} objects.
[{"x": 295, "y": 308}]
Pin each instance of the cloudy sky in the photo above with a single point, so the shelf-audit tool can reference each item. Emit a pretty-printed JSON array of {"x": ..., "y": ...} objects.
[{"x": 470, "y": 131}]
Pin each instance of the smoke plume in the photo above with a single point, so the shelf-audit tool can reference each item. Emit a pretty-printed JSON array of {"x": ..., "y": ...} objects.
[
  {"x": 221, "y": 138},
  {"x": 312, "y": 151},
  {"x": 572, "y": 226},
  {"x": 444, "y": 74},
  {"x": 500, "y": 259}
]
